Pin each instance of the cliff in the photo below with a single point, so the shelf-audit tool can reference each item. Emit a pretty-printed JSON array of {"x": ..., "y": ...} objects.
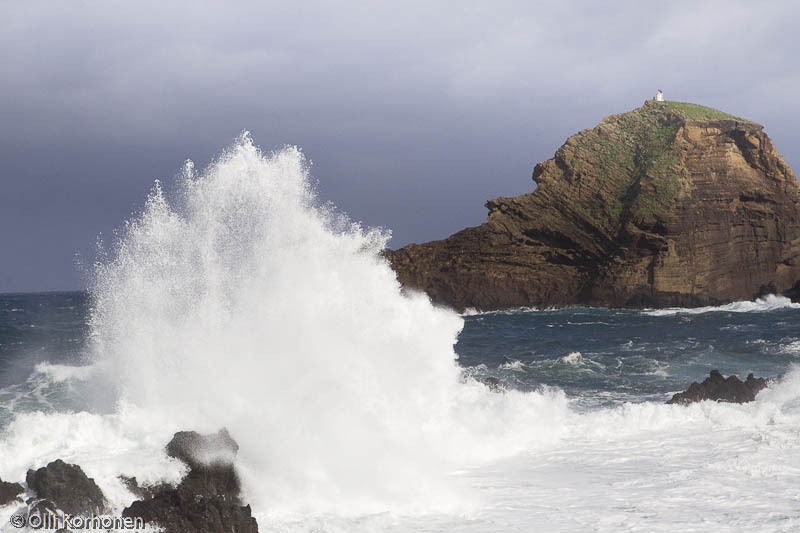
[{"x": 669, "y": 204}]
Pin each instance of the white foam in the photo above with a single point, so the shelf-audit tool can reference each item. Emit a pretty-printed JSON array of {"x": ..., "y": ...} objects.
[
  {"x": 514, "y": 364},
  {"x": 792, "y": 348},
  {"x": 572, "y": 358},
  {"x": 62, "y": 373},
  {"x": 129, "y": 443},
  {"x": 637, "y": 467},
  {"x": 770, "y": 302}
]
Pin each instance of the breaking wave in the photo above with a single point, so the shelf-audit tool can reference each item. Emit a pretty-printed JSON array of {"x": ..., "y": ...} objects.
[{"x": 770, "y": 302}]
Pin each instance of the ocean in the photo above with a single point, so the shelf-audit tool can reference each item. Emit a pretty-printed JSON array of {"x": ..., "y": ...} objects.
[{"x": 240, "y": 299}]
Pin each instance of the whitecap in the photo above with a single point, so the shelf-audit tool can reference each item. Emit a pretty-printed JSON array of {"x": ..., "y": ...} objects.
[{"x": 768, "y": 303}]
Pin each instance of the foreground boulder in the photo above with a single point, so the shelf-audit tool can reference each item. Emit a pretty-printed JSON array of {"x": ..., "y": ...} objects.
[
  {"x": 208, "y": 498},
  {"x": 717, "y": 388},
  {"x": 180, "y": 511},
  {"x": 9, "y": 492},
  {"x": 65, "y": 487},
  {"x": 671, "y": 204}
]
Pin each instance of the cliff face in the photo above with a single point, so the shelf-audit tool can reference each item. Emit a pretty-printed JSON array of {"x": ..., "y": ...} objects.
[{"x": 669, "y": 204}]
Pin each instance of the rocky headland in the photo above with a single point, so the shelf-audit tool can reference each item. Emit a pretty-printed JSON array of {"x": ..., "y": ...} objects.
[{"x": 671, "y": 204}]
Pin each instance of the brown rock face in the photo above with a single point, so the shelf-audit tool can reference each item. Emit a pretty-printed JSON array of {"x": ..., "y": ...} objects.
[{"x": 669, "y": 204}]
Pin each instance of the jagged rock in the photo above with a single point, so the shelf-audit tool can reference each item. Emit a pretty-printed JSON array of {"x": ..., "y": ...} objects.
[
  {"x": 9, "y": 492},
  {"x": 196, "y": 450},
  {"x": 716, "y": 387},
  {"x": 210, "y": 459},
  {"x": 178, "y": 511},
  {"x": 67, "y": 487},
  {"x": 208, "y": 498},
  {"x": 668, "y": 205},
  {"x": 794, "y": 292}
]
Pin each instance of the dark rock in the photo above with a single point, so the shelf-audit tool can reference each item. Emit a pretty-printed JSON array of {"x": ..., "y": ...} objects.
[
  {"x": 494, "y": 384},
  {"x": 794, "y": 292},
  {"x": 178, "y": 511},
  {"x": 196, "y": 450},
  {"x": 67, "y": 487},
  {"x": 50, "y": 517},
  {"x": 766, "y": 290},
  {"x": 667, "y": 205},
  {"x": 208, "y": 498},
  {"x": 9, "y": 492},
  {"x": 210, "y": 459},
  {"x": 143, "y": 492},
  {"x": 716, "y": 387},
  {"x": 42, "y": 508}
]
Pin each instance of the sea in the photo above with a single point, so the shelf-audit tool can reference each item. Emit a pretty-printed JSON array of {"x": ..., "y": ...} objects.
[{"x": 238, "y": 298}]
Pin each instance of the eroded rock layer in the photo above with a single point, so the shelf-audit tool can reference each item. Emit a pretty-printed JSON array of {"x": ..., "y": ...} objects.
[{"x": 669, "y": 204}]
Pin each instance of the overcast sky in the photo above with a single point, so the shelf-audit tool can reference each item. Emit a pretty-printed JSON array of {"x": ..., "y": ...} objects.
[{"x": 413, "y": 113}]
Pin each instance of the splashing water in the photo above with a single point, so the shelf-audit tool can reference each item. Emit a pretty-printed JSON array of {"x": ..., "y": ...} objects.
[
  {"x": 250, "y": 305},
  {"x": 769, "y": 303}
]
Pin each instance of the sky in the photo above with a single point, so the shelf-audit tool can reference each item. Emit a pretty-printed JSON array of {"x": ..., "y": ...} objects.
[{"x": 413, "y": 113}]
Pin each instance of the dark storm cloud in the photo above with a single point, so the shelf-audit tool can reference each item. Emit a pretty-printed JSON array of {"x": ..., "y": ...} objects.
[{"x": 414, "y": 114}]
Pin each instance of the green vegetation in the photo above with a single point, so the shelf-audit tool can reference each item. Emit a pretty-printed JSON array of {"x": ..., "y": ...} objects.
[
  {"x": 636, "y": 161},
  {"x": 654, "y": 163},
  {"x": 635, "y": 158},
  {"x": 696, "y": 112}
]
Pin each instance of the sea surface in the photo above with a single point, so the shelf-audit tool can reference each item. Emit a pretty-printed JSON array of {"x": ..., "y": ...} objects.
[{"x": 241, "y": 300}]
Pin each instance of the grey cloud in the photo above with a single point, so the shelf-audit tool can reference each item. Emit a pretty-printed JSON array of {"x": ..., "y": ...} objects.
[{"x": 414, "y": 113}]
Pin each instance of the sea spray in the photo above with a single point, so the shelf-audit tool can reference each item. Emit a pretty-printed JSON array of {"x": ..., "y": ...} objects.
[
  {"x": 247, "y": 303},
  {"x": 241, "y": 300}
]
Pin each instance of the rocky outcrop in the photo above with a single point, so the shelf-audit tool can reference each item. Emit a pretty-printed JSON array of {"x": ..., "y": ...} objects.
[
  {"x": 65, "y": 487},
  {"x": 9, "y": 492},
  {"x": 208, "y": 498},
  {"x": 668, "y": 205},
  {"x": 179, "y": 511},
  {"x": 717, "y": 388},
  {"x": 199, "y": 451}
]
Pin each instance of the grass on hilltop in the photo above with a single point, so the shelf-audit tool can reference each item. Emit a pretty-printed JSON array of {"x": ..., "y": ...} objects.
[
  {"x": 698, "y": 112},
  {"x": 637, "y": 152}
]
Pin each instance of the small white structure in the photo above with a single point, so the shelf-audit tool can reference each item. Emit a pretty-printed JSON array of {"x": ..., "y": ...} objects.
[{"x": 659, "y": 96}]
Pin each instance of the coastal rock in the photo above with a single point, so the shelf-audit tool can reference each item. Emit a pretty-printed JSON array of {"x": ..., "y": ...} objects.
[
  {"x": 716, "y": 387},
  {"x": 208, "y": 498},
  {"x": 67, "y": 488},
  {"x": 9, "y": 492},
  {"x": 143, "y": 492},
  {"x": 210, "y": 459},
  {"x": 671, "y": 204},
  {"x": 198, "y": 450},
  {"x": 178, "y": 511}
]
